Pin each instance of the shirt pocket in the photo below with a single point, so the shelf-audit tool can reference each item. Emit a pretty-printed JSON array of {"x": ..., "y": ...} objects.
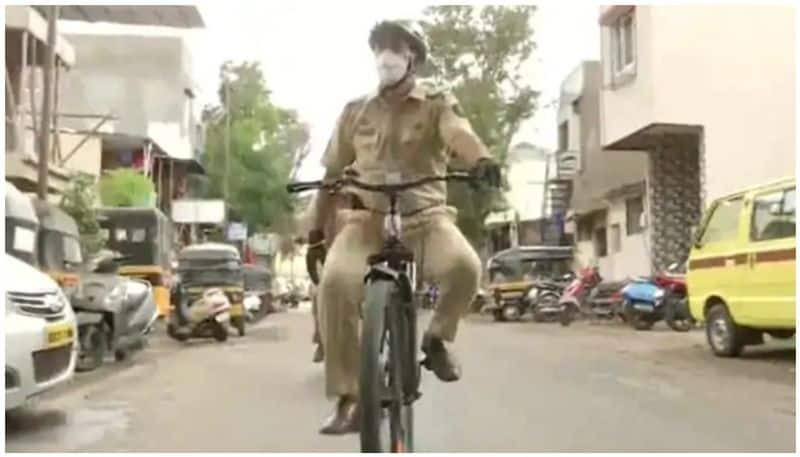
[
  {"x": 415, "y": 146},
  {"x": 366, "y": 141}
]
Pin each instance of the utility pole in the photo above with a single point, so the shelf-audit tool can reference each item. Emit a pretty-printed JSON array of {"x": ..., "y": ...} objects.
[
  {"x": 44, "y": 143},
  {"x": 226, "y": 172}
]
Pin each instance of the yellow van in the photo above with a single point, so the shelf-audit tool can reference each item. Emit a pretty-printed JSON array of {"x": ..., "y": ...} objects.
[{"x": 741, "y": 276}]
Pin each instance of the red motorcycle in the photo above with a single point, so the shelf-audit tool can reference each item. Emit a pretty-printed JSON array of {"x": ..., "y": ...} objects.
[
  {"x": 676, "y": 298},
  {"x": 576, "y": 297}
]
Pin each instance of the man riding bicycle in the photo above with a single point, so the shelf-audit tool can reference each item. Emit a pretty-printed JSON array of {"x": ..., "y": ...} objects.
[{"x": 403, "y": 132}]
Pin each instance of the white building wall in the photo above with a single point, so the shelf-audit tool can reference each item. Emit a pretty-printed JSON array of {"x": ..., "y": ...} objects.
[
  {"x": 727, "y": 68},
  {"x": 731, "y": 69}
]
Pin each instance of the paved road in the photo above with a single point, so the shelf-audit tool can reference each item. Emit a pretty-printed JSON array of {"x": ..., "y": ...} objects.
[{"x": 526, "y": 387}]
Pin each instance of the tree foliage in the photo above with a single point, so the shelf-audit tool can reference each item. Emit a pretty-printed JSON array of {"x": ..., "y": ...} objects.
[
  {"x": 126, "y": 187},
  {"x": 78, "y": 200},
  {"x": 479, "y": 52},
  {"x": 264, "y": 138}
]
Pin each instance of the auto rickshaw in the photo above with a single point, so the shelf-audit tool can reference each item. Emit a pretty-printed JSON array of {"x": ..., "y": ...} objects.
[
  {"x": 58, "y": 246},
  {"x": 144, "y": 238},
  {"x": 21, "y": 226},
  {"x": 513, "y": 272},
  {"x": 210, "y": 266}
]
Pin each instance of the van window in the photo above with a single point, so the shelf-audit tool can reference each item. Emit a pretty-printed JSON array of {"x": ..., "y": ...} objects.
[
  {"x": 723, "y": 225},
  {"x": 773, "y": 216}
]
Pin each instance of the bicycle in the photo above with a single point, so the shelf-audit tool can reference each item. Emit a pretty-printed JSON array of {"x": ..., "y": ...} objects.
[{"x": 390, "y": 370}]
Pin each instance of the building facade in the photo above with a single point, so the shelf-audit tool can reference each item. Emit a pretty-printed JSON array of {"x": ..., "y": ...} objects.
[
  {"x": 606, "y": 191},
  {"x": 706, "y": 93}
]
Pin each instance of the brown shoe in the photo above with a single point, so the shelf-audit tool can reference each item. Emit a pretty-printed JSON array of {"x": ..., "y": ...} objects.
[
  {"x": 345, "y": 418},
  {"x": 437, "y": 359},
  {"x": 319, "y": 354}
]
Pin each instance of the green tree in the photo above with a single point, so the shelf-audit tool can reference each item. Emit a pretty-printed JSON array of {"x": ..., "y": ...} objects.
[
  {"x": 126, "y": 187},
  {"x": 479, "y": 53},
  {"x": 264, "y": 138},
  {"x": 78, "y": 200}
]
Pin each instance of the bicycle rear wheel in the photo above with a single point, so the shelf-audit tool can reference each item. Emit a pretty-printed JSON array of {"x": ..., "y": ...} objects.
[{"x": 381, "y": 373}]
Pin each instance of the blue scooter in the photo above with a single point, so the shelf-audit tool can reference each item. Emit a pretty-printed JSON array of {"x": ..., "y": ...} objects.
[{"x": 642, "y": 303}]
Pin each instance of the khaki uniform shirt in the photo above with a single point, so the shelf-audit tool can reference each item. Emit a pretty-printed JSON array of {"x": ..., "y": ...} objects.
[{"x": 389, "y": 144}]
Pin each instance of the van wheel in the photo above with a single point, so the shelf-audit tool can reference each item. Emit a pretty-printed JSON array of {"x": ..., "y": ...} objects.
[{"x": 723, "y": 335}]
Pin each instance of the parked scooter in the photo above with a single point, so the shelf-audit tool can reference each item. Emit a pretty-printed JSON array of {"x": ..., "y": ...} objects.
[
  {"x": 207, "y": 317},
  {"x": 643, "y": 302},
  {"x": 575, "y": 299},
  {"x": 544, "y": 296},
  {"x": 114, "y": 313}
]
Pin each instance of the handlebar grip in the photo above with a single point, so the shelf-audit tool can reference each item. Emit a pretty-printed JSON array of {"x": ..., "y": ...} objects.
[{"x": 296, "y": 187}]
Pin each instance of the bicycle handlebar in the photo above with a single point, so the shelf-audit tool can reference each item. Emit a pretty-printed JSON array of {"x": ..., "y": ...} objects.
[{"x": 338, "y": 183}]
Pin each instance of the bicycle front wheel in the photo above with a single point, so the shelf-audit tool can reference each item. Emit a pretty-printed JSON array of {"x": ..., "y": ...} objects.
[{"x": 381, "y": 372}]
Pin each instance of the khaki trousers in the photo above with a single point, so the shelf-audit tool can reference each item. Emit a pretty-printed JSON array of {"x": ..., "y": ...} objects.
[{"x": 449, "y": 260}]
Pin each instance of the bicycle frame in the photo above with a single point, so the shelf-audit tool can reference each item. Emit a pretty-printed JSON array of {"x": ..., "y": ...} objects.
[{"x": 390, "y": 318}]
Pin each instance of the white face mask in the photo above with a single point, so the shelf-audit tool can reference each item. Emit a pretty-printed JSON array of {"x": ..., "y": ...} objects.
[{"x": 391, "y": 67}]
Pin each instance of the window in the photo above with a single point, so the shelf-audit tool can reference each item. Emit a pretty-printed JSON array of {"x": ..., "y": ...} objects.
[
  {"x": 138, "y": 235},
  {"x": 634, "y": 208},
  {"x": 584, "y": 228},
  {"x": 723, "y": 225},
  {"x": 72, "y": 250},
  {"x": 773, "y": 216},
  {"x": 563, "y": 136},
  {"x": 600, "y": 242},
  {"x": 616, "y": 238},
  {"x": 623, "y": 44}
]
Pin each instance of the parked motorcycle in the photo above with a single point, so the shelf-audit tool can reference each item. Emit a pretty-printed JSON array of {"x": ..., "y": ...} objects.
[
  {"x": 114, "y": 313},
  {"x": 575, "y": 299},
  {"x": 676, "y": 298},
  {"x": 207, "y": 317}
]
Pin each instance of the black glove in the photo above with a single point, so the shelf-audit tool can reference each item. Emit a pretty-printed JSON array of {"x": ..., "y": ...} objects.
[
  {"x": 315, "y": 255},
  {"x": 488, "y": 172}
]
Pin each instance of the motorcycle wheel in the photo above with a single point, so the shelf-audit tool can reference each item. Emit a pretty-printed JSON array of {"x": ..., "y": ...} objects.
[
  {"x": 511, "y": 313},
  {"x": 498, "y": 316},
  {"x": 220, "y": 332},
  {"x": 173, "y": 333},
  {"x": 636, "y": 319},
  {"x": 120, "y": 355},
  {"x": 673, "y": 318},
  {"x": 567, "y": 315},
  {"x": 93, "y": 343}
]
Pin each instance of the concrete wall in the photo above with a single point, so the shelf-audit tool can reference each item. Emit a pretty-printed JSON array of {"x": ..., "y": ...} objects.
[
  {"x": 728, "y": 68},
  {"x": 601, "y": 170},
  {"x": 629, "y": 106},
  {"x": 630, "y": 260},
  {"x": 140, "y": 79}
]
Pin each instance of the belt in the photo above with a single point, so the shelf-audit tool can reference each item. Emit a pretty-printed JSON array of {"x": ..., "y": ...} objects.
[{"x": 355, "y": 202}]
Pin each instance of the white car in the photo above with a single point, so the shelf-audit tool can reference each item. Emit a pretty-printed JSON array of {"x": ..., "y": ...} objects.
[{"x": 41, "y": 333}]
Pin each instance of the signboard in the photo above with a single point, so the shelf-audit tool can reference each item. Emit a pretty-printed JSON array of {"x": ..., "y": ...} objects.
[
  {"x": 237, "y": 231},
  {"x": 198, "y": 211}
]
